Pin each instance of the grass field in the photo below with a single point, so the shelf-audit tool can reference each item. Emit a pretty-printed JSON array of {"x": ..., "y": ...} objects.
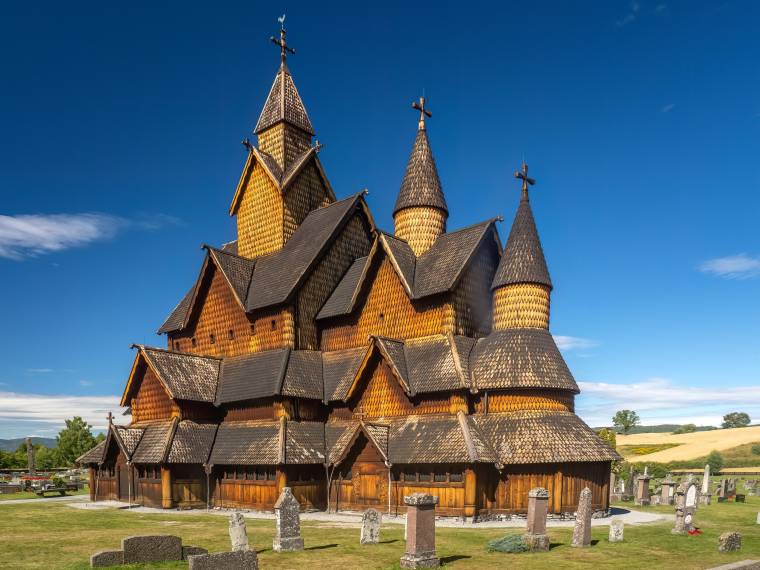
[
  {"x": 53, "y": 535},
  {"x": 692, "y": 445}
]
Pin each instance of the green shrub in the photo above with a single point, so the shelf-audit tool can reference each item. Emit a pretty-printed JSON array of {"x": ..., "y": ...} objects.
[
  {"x": 756, "y": 449},
  {"x": 511, "y": 543}
]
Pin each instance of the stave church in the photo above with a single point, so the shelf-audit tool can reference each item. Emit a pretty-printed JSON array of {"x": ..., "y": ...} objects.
[{"x": 353, "y": 365}]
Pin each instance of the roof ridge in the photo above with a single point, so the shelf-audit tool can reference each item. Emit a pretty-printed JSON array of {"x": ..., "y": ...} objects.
[{"x": 166, "y": 350}]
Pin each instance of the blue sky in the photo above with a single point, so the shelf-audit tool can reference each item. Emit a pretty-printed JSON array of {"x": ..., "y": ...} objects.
[{"x": 120, "y": 154}]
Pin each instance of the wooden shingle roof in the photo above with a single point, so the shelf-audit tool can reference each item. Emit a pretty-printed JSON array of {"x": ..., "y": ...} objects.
[
  {"x": 256, "y": 375},
  {"x": 93, "y": 455},
  {"x": 185, "y": 376},
  {"x": 421, "y": 185},
  {"x": 192, "y": 442},
  {"x": 155, "y": 442},
  {"x": 247, "y": 443},
  {"x": 284, "y": 104}
]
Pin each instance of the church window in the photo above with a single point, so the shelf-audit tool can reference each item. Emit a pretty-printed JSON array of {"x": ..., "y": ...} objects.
[
  {"x": 193, "y": 342},
  {"x": 381, "y": 317},
  {"x": 253, "y": 329},
  {"x": 270, "y": 475},
  {"x": 424, "y": 477},
  {"x": 231, "y": 334},
  {"x": 261, "y": 475},
  {"x": 273, "y": 324},
  {"x": 410, "y": 476},
  {"x": 439, "y": 477},
  {"x": 455, "y": 477},
  {"x": 212, "y": 338},
  {"x": 176, "y": 345}
]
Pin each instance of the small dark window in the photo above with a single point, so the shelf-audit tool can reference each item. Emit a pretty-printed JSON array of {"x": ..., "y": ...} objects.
[
  {"x": 270, "y": 475},
  {"x": 261, "y": 475},
  {"x": 425, "y": 477},
  {"x": 193, "y": 342},
  {"x": 231, "y": 334},
  {"x": 273, "y": 324},
  {"x": 176, "y": 345},
  {"x": 439, "y": 477},
  {"x": 381, "y": 316},
  {"x": 455, "y": 477},
  {"x": 253, "y": 329},
  {"x": 410, "y": 476},
  {"x": 212, "y": 338}
]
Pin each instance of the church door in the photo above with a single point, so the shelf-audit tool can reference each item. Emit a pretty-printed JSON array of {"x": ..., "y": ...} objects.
[
  {"x": 369, "y": 488},
  {"x": 122, "y": 470}
]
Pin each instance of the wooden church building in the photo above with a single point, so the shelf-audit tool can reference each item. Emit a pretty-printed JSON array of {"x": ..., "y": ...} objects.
[{"x": 355, "y": 366}]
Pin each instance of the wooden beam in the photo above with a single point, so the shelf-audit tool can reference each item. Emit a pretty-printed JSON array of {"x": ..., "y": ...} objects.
[
  {"x": 470, "y": 494},
  {"x": 166, "y": 487}
]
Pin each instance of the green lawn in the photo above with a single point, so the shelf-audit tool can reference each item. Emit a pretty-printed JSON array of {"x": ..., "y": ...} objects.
[
  {"x": 52, "y": 535},
  {"x": 30, "y": 495}
]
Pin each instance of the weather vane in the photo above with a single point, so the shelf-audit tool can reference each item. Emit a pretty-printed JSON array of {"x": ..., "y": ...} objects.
[
  {"x": 423, "y": 111},
  {"x": 285, "y": 49},
  {"x": 526, "y": 180}
]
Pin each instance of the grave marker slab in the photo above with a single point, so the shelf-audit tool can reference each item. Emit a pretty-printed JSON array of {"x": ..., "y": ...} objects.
[
  {"x": 371, "y": 521},
  {"x": 287, "y": 536},
  {"x": 238, "y": 532},
  {"x": 729, "y": 542},
  {"x": 238, "y": 560},
  {"x": 582, "y": 529},
  {"x": 151, "y": 548},
  {"x": 536, "y": 538},
  {"x": 617, "y": 528},
  {"x": 420, "y": 534}
]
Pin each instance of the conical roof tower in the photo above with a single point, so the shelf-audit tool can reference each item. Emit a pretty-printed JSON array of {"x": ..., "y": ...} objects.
[{"x": 420, "y": 213}]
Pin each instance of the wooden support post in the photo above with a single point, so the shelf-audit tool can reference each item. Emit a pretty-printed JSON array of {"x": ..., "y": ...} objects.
[
  {"x": 556, "y": 496},
  {"x": 166, "y": 488},
  {"x": 92, "y": 484},
  {"x": 470, "y": 494},
  {"x": 281, "y": 479}
]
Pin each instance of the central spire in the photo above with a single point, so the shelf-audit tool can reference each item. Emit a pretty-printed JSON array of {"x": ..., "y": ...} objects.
[{"x": 420, "y": 213}]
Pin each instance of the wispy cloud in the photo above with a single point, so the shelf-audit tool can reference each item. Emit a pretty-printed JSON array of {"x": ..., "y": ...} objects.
[
  {"x": 568, "y": 343},
  {"x": 35, "y": 409},
  {"x": 660, "y": 8},
  {"x": 38, "y": 370},
  {"x": 631, "y": 15},
  {"x": 37, "y": 234},
  {"x": 85, "y": 383},
  {"x": 668, "y": 108},
  {"x": 660, "y": 400},
  {"x": 740, "y": 266}
]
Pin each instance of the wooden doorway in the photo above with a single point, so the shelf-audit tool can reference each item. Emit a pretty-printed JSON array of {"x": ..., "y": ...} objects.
[
  {"x": 122, "y": 473},
  {"x": 369, "y": 488}
]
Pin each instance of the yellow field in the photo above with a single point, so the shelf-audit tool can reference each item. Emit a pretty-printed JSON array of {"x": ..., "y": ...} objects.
[{"x": 692, "y": 445}]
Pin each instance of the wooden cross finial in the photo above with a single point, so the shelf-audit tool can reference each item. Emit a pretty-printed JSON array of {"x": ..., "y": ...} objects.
[
  {"x": 110, "y": 418},
  {"x": 285, "y": 49},
  {"x": 359, "y": 413},
  {"x": 526, "y": 180},
  {"x": 423, "y": 111}
]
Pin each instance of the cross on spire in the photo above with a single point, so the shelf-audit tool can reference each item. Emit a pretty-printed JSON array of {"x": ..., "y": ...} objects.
[
  {"x": 110, "y": 418},
  {"x": 285, "y": 49},
  {"x": 423, "y": 111},
  {"x": 526, "y": 180}
]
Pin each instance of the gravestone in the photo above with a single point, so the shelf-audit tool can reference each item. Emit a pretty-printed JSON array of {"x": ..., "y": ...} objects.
[
  {"x": 420, "y": 533},
  {"x": 371, "y": 521},
  {"x": 287, "y": 537},
  {"x": 151, "y": 548},
  {"x": 758, "y": 518},
  {"x": 723, "y": 489},
  {"x": 705, "y": 494},
  {"x": 668, "y": 491},
  {"x": 237, "y": 560},
  {"x": 617, "y": 527},
  {"x": 731, "y": 488},
  {"x": 740, "y": 498},
  {"x": 238, "y": 533},
  {"x": 729, "y": 542},
  {"x": 686, "y": 505},
  {"x": 582, "y": 529},
  {"x": 106, "y": 558},
  {"x": 30, "y": 463},
  {"x": 642, "y": 490},
  {"x": 630, "y": 486},
  {"x": 536, "y": 538}
]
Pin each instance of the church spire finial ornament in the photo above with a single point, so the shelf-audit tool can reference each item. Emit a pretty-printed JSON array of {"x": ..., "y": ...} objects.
[
  {"x": 423, "y": 111},
  {"x": 526, "y": 181},
  {"x": 285, "y": 49}
]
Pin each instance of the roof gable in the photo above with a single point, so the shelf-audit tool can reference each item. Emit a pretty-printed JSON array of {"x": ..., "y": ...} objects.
[{"x": 284, "y": 104}]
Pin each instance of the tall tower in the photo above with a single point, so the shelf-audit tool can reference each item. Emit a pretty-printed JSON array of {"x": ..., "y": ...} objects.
[
  {"x": 419, "y": 216},
  {"x": 282, "y": 180},
  {"x": 522, "y": 286}
]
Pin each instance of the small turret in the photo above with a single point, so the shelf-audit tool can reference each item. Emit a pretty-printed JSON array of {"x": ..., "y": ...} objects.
[
  {"x": 522, "y": 286},
  {"x": 420, "y": 213}
]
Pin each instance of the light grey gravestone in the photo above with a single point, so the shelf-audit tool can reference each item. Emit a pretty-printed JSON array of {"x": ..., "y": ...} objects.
[
  {"x": 642, "y": 490},
  {"x": 420, "y": 534},
  {"x": 238, "y": 533},
  {"x": 758, "y": 518},
  {"x": 238, "y": 560},
  {"x": 536, "y": 538},
  {"x": 151, "y": 548},
  {"x": 287, "y": 536},
  {"x": 617, "y": 528},
  {"x": 729, "y": 542},
  {"x": 706, "y": 480},
  {"x": 685, "y": 505},
  {"x": 582, "y": 529},
  {"x": 371, "y": 521}
]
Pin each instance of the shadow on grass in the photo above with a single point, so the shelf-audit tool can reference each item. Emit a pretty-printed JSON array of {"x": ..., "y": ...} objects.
[
  {"x": 388, "y": 541},
  {"x": 553, "y": 545},
  {"x": 616, "y": 511},
  {"x": 454, "y": 558},
  {"x": 322, "y": 547}
]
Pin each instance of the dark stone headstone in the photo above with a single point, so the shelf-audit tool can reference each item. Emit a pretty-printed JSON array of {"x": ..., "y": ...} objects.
[
  {"x": 188, "y": 551},
  {"x": 739, "y": 498},
  {"x": 151, "y": 548},
  {"x": 420, "y": 532},
  {"x": 729, "y": 542},
  {"x": 536, "y": 538},
  {"x": 238, "y": 560},
  {"x": 105, "y": 558}
]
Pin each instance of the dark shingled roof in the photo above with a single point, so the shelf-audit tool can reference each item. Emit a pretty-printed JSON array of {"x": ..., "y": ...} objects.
[
  {"x": 520, "y": 358},
  {"x": 284, "y": 104},
  {"x": 176, "y": 319},
  {"x": 402, "y": 257},
  {"x": 186, "y": 376},
  {"x": 130, "y": 438},
  {"x": 338, "y": 436},
  {"x": 432, "y": 366},
  {"x": 420, "y": 439},
  {"x": 304, "y": 443},
  {"x": 379, "y": 434},
  {"x": 192, "y": 442},
  {"x": 230, "y": 247},
  {"x": 342, "y": 299},
  {"x": 94, "y": 455},
  {"x": 277, "y": 276},
  {"x": 303, "y": 378},
  {"x": 338, "y": 371},
  {"x": 393, "y": 352},
  {"x": 542, "y": 436},
  {"x": 523, "y": 259},
  {"x": 155, "y": 442},
  {"x": 256, "y": 375},
  {"x": 247, "y": 443},
  {"x": 421, "y": 185},
  {"x": 237, "y": 270}
]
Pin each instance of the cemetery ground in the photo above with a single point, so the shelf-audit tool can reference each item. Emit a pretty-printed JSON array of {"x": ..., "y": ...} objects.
[{"x": 53, "y": 535}]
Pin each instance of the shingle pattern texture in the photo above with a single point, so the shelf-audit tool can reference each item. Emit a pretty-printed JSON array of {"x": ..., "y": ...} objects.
[
  {"x": 339, "y": 369},
  {"x": 176, "y": 319},
  {"x": 520, "y": 358},
  {"x": 192, "y": 442},
  {"x": 420, "y": 439},
  {"x": 284, "y": 104},
  {"x": 303, "y": 377},
  {"x": 421, "y": 185},
  {"x": 431, "y": 365},
  {"x": 237, "y": 270},
  {"x": 188, "y": 377},
  {"x": 393, "y": 350},
  {"x": 379, "y": 434},
  {"x": 154, "y": 443},
  {"x": 247, "y": 443},
  {"x": 130, "y": 437},
  {"x": 341, "y": 299},
  {"x": 523, "y": 259},
  {"x": 304, "y": 443},
  {"x": 338, "y": 436},
  {"x": 256, "y": 375},
  {"x": 94, "y": 455}
]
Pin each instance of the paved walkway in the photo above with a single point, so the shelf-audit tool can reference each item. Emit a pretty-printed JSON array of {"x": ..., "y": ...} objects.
[
  {"x": 630, "y": 517},
  {"x": 68, "y": 498}
]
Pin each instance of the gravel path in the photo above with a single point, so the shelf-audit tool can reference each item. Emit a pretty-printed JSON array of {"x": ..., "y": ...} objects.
[{"x": 68, "y": 498}]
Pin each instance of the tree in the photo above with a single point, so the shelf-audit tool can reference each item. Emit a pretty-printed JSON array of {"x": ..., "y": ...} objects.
[
  {"x": 74, "y": 440},
  {"x": 608, "y": 436},
  {"x": 715, "y": 461},
  {"x": 686, "y": 428},
  {"x": 625, "y": 420},
  {"x": 735, "y": 420}
]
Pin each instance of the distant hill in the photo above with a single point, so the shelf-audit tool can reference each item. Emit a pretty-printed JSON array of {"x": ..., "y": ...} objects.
[
  {"x": 12, "y": 444},
  {"x": 661, "y": 428}
]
